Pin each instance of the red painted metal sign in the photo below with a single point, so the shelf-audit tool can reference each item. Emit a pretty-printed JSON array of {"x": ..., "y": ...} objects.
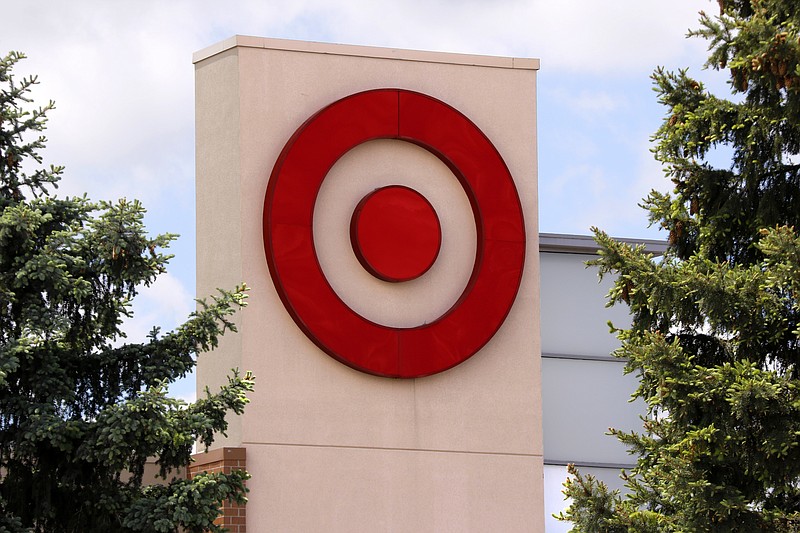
[
  {"x": 289, "y": 244},
  {"x": 395, "y": 233}
]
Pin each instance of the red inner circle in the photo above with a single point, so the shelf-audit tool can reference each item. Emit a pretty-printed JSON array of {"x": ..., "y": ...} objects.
[{"x": 395, "y": 233}]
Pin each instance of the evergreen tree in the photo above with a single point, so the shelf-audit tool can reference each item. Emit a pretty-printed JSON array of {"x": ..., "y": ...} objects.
[
  {"x": 715, "y": 327},
  {"x": 80, "y": 412}
]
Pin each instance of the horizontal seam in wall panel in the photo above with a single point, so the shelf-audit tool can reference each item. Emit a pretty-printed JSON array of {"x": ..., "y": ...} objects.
[
  {"x": 544, "y": 249},
  {"x": 584, "y": 357},
  {"x": 589, "y": 464},
  {"x": 381, "y": 448}
]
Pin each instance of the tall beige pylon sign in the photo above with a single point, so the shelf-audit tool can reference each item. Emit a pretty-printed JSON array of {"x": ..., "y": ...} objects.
[{"x": 382, "y": 205}]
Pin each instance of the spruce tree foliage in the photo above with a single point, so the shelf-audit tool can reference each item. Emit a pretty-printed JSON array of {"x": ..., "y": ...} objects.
[
  {"x": 80, "y": 412},
  {"x": 715, "y": 334}
]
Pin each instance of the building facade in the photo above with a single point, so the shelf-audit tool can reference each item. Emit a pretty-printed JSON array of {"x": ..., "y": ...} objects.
[
  {"x": 428, "y": 398},
  {"x": 379, "y": 406},
  {"x": 584, "y": 389}
]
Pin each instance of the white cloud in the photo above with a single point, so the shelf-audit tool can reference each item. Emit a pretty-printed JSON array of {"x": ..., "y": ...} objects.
[
  {"x": 122, "y": 78},
  {"x": 184, "y": 389},
  {"x": 573, "y": 35},
  {"x": 615, "y": 208},
  {"x": 613, "y": 37},
  {"x": 121, "y": 74},
  {"x": 575, "y": 177},
  {"x": 586, "y": 102},
  {"x": 166, "y": 303}
]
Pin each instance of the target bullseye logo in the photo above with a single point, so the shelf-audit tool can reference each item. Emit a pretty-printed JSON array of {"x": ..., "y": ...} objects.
[
  {"x": 395, "y": 233},
  {"x": 379, "y": 237}
]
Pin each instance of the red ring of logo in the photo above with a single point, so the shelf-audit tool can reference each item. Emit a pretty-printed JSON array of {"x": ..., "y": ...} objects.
[{"x": 289, "y": 243}]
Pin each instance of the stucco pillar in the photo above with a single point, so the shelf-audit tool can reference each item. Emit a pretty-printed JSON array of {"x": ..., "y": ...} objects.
[{"x": 330, "y": 447}]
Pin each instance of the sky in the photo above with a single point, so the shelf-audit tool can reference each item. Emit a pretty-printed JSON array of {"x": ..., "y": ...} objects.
[{"x": 122, "y": 78}]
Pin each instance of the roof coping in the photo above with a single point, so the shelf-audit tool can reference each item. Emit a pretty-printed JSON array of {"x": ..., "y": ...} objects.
[
  {"x": 585, "y": 244},
  {"x": 246, "y": 41}
]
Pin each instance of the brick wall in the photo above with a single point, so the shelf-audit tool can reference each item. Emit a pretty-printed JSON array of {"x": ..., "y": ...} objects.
[{"x": 233, "y": 517}]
